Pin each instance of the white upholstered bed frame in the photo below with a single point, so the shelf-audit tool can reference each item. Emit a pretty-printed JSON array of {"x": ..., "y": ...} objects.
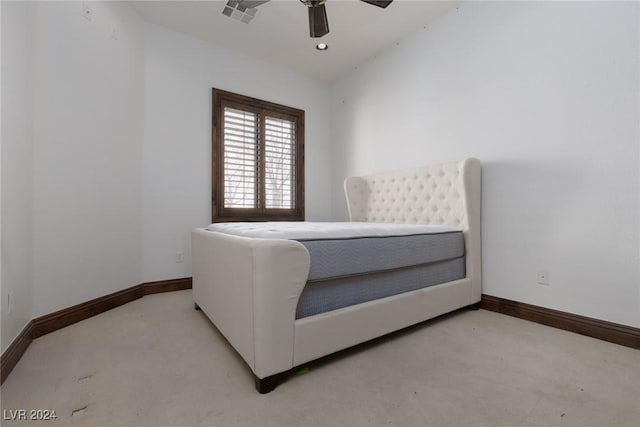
[{"x": 249, "y": 288}]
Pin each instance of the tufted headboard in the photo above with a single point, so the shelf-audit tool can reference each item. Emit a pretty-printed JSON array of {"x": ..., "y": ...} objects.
[{"x": 442, "y": 193}]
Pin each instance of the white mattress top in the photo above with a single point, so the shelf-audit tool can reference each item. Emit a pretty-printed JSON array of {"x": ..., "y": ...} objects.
[{"x": 324, "y": 230}]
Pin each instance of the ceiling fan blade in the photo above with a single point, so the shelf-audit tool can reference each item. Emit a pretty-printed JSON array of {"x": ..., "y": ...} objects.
[
  {"x": 251, "y": 3},
  {"x": 318, "y": 24},
  {"x": 379, "y": 3}
]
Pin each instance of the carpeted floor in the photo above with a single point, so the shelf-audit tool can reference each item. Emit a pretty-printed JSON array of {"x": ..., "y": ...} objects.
[{"x": 158, "y": 362}]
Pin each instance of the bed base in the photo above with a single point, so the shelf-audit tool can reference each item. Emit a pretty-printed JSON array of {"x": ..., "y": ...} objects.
[
  {"x": 249, "y": 288},
  {"x": 268, "y": 384}
]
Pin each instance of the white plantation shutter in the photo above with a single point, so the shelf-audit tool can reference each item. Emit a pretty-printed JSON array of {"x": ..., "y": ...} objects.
[
  {"x": 279, "y": 158},
  {"x": 240, "y": 159}
]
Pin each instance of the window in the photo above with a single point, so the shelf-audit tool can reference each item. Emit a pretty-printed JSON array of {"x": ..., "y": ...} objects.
[{"x": 258, "y": 160}]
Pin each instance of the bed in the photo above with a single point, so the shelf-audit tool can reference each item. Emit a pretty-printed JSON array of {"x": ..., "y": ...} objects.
[{"x": 253, "y": 281}]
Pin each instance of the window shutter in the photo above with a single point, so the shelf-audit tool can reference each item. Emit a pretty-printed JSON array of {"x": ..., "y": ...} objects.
[
  {"x": 279, "y": 158},
  {"x": 240, "y": 159},
  {"x": 257, "y": 160}
]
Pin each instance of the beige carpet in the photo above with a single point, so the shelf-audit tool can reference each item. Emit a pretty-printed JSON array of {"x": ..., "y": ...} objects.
[{"x": 157, "y": 361}]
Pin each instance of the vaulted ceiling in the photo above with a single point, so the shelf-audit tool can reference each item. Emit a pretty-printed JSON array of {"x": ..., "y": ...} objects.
[{"x": 279, "y": 32}]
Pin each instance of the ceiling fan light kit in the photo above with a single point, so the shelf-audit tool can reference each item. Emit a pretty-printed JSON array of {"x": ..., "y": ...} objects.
[{"x": 245, "y": 10}]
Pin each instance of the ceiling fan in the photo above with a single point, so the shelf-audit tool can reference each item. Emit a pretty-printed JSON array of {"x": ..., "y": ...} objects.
[{"x": 245, "y": 10}]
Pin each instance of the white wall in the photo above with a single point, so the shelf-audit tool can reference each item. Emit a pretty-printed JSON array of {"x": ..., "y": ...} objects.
[
  {"x": 88, "y": 152},
  {"x": 115, "y": 150},
  {"x": 18, "y": 57},
  {"x": 180, "y": 72},
  {"x": 546, "y": 95},
  {"x": 83, "y": 213}
]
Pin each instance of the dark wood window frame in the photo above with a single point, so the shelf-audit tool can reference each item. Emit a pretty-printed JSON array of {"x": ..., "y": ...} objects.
[{"x": 219, "y": 212}]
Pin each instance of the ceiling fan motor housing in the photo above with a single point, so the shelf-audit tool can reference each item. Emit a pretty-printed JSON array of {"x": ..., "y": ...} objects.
[
  {"x": 318, "y": 22},
  {"x": 312, "y": 3}
]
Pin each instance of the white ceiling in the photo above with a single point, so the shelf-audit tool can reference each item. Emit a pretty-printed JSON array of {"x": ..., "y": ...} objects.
[{"x": 279, "y": 33}]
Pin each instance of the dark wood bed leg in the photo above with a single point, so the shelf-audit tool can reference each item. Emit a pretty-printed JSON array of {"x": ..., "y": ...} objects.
[
  {"x": 265, "y": 385},
  {"x": 196, "y": 306},
  {"x": 475, "y": 306}
]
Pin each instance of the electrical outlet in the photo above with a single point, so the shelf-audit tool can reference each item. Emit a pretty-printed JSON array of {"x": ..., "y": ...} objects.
[
  {"x": 86, "y": 10},
  {"x": 543, "y": 277},
  {"x": 179, "y": 256},
  {"x": 10, "y": 299}
]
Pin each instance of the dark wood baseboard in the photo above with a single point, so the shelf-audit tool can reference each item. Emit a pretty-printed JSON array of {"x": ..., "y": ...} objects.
[
  {"x": 606, "y": 331},
  {"x": 52, "y": 322},
  {"x": 166, "y": 286},
  {"x": 15, "y": 351},
  {"x": 68, "y": 316}
]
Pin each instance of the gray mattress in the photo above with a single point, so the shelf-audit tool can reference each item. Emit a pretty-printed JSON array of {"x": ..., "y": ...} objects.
[
  {"x": 352, "y": 270},
  {"x": 341, "y": 257},
  {"x": 326, "y": 295},
  {"x": 352, "y": 262}
]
